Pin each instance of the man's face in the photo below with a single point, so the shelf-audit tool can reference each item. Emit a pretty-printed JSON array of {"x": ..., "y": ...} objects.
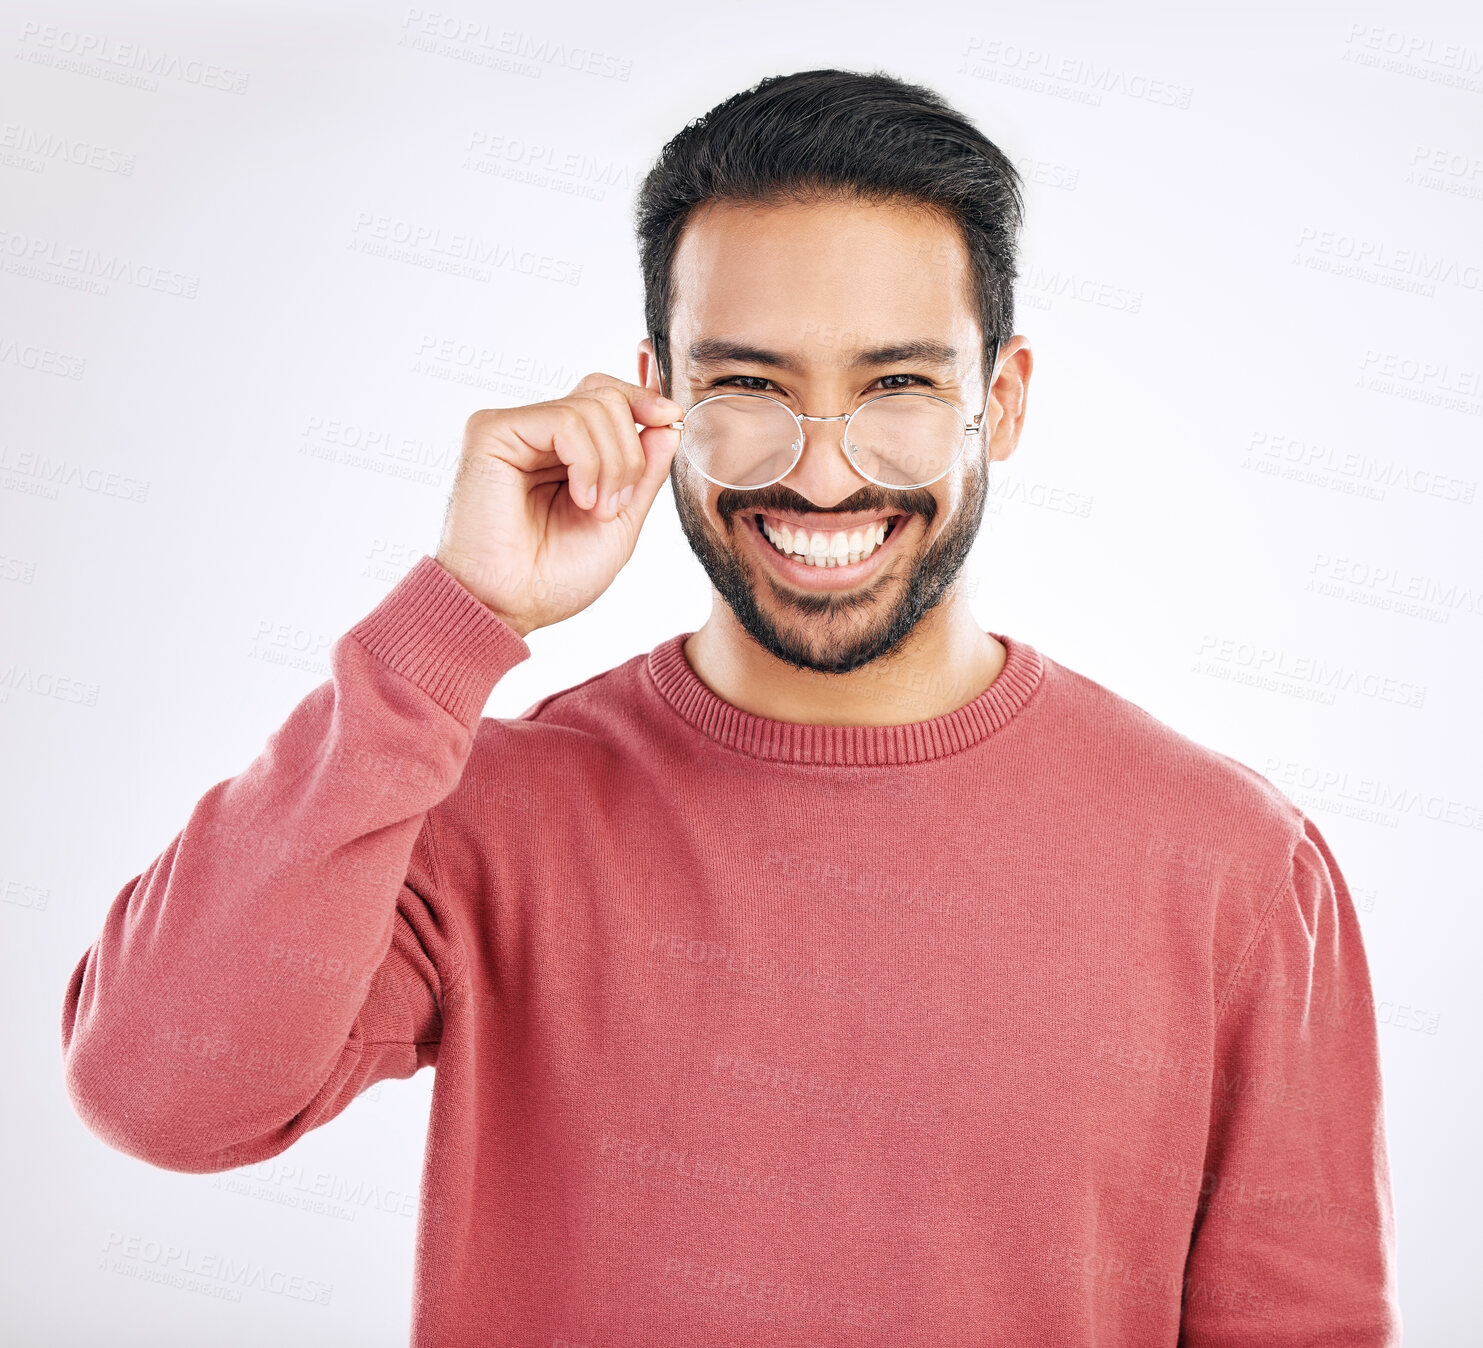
[{"x": 808, "y": 290}]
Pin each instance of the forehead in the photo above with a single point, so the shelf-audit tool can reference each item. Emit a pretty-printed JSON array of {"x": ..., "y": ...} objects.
[{"x": 822, "y": 276}]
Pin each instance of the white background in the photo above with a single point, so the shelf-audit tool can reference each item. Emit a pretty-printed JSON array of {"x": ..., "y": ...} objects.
[{"x": 1245, "y": 497}]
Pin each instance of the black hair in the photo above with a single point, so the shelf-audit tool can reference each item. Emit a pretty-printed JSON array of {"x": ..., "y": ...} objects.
[{"x": 828, "y": 134}]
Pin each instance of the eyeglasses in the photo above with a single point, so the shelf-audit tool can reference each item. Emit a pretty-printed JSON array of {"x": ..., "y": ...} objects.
[{"x": 901, "y": 440}]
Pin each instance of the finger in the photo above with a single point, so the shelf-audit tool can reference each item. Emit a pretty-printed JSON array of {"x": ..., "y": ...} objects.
[
  {"x": 607, "y": 434},
  {"x": 634, "y": 462},
  {"x": 649, "y": 406},
  {"x": 660, "y": 444},
  {"x": 571, "y": 439},
  {"x": 520, "y": 436}
]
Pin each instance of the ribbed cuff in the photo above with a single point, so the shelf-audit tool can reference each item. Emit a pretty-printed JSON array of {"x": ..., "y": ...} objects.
[{"x": 434, "y": 632}]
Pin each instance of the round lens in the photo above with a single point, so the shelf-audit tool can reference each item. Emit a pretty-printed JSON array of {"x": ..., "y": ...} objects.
[
  {"x": 905, "y": 439},
  {"x": 741, "y": 440}
]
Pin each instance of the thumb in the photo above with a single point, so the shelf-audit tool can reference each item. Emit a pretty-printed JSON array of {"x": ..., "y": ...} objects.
[
  {"x": 660, "y": 444},
  {"x": 652, "y": 408}
]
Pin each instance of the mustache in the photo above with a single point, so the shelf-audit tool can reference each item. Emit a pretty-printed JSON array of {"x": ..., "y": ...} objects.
[{"x": 782, "y": 499}]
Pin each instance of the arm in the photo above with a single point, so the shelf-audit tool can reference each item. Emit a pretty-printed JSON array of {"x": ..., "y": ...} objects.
[
  {"x": 1294, "y": 1238},
  {"x": 287, "y": 949}
]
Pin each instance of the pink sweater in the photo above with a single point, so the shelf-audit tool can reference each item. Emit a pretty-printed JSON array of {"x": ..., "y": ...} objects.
[{"x": 1036, "y": 1023}]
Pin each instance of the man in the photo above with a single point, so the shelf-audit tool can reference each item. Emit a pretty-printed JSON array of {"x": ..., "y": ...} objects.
[{"x": 840, "y": 973}]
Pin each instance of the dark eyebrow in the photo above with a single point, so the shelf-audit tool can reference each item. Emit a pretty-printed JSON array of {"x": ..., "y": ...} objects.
[{"x": 718, "y": 350}]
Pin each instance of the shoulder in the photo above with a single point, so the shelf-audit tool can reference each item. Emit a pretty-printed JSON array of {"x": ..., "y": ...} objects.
[
  {"x": 566, "y": 752},
  {"x": 589, "y": 713},
  {"x": 1185, "y": 795},
  {"x": 1221, "y": 844}
]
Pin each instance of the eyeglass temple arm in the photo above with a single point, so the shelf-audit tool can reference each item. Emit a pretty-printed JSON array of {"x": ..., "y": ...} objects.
[
  {"x": 978, "y": 421},
  {"x": 659, "y": 369}
]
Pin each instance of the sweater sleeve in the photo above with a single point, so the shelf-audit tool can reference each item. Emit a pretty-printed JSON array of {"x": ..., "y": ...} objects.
[
  {"x": 1294, "y": 1236},
  {"x": 290, "y": 946}
]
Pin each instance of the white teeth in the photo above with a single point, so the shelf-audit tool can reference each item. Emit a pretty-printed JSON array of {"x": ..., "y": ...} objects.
[{"x": 817, "y": 548}]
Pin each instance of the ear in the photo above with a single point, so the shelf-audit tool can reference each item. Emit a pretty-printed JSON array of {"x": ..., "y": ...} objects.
[
  {"x": 648, "y": 366},
  {"x": 1011, "y": 391}
]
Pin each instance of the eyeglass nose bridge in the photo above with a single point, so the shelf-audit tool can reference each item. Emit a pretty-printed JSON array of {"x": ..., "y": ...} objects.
[{"x": 804, "y": 416}]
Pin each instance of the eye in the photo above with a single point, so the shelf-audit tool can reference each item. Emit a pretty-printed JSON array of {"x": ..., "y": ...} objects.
[
  {"x": 749, "y": 382},
  {"x": 743, "y": 381}
]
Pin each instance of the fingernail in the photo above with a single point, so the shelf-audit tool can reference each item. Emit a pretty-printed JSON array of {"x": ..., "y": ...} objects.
[
  {"x": 589, "y": 494},
  {"x": 613, "y": 504},
  {"x": 626, "y": 495}
]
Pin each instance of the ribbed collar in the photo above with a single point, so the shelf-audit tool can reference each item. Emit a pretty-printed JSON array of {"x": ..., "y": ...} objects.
[{"x": 830, "y": 745}]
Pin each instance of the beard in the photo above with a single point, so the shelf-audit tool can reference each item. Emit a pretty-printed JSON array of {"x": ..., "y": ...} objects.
[{"x": 845, "y": 629}]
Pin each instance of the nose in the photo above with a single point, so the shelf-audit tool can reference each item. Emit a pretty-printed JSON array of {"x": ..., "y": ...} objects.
[{"x": 824, "y": 474}]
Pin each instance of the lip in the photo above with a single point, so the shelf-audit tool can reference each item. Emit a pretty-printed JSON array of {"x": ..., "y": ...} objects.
[{"x": 827, "y": 577}]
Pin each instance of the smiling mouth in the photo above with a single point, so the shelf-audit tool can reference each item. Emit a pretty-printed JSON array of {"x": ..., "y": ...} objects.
[{"x": 826, "y": 548}]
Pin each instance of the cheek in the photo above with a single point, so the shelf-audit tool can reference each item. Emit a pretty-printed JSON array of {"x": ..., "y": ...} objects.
[
  {"x": 949, "y": 493},
  {"x": 967, "y": 481},
  {"x": 689, "y": 502},
  {"x": 689, "y": 486},
  {"x": 952, "y": 495},
  {"x": 697, "y": 496}
]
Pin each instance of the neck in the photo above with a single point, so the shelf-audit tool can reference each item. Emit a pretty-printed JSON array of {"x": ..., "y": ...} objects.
[{"x": 944, "y": 663}]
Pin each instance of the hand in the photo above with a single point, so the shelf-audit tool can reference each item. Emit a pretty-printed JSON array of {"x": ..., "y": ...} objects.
[{"x": 548, "y": 499}]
